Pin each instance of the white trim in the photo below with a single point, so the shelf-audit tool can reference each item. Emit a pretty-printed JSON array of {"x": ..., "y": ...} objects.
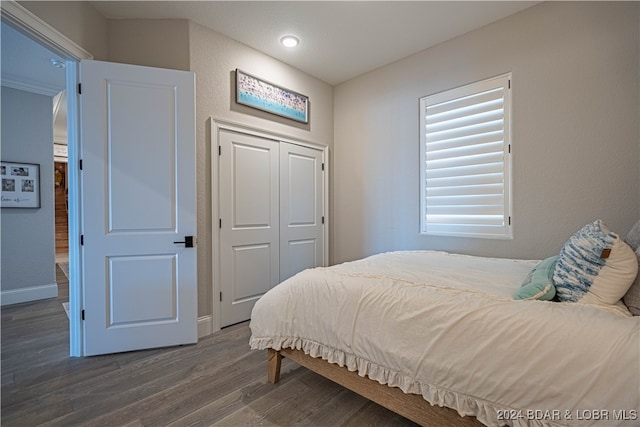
[
  {"x": 76, "y": 285},
  {"x": 56, "y": 103},
  {"x": 205, "y": 326},
  {"x": 39, "y": 31},
  {"x": 215, "y": 127},
  {"x": 15, "y": 82},
  {"x": 61, "y": 141},
  {"x": 32, "y": 293},
  {"x": 242, "y": 128},
  {"x": 216, "y": 318}
]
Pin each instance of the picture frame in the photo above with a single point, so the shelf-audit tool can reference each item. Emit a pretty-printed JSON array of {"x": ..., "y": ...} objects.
[
  {"x": 263, "y": 95},
  {"x": 20, "y": 185},
  {"x": 60, "y": 152}
]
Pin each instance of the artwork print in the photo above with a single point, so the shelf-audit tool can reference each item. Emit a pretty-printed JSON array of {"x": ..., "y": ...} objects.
[
  {"x": 20, "y": 185},
  {"x": 256, "y": 93}
]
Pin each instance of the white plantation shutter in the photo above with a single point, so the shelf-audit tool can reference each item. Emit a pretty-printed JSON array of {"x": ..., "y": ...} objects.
[{"x": 465, "y": 168}]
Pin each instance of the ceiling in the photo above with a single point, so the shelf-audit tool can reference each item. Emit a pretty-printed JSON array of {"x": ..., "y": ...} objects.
[{"x": 339, "y": 39}]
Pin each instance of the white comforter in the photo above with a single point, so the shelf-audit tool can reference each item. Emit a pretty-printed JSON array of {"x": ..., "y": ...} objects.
[{"x": 446, "y": 326}]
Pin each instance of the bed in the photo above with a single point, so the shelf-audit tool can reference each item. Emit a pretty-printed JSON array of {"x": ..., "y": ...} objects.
[{"x": 437, "y": 336}]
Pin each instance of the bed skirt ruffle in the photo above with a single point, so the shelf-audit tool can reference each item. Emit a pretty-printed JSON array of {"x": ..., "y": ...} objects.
[{"x": 486, "y": 412}]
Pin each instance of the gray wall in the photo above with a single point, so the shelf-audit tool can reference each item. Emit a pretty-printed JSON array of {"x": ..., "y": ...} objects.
[
  {"x": 28, "y": 235},
  {"x": 576, "y": 144},
  {"x": 162, "y": 43},
  {"x": 77, "y": 20}
]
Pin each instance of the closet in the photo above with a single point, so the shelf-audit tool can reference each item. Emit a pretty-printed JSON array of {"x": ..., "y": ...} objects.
[{"x": 271, "y": 219}]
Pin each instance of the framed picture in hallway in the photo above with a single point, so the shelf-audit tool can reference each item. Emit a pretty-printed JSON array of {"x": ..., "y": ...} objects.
[
  {"x": 20, "y": 185},
  {"x": 256, "y": 93}
]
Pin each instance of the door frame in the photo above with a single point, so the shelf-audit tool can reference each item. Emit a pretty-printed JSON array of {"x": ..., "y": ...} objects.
[
  {"x": 39, "y": 31},
  {"x": 216, "y": 126}
]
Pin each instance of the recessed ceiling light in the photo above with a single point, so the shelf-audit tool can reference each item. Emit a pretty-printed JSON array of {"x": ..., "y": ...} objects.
[
  {"x": 57, "y": 63},
  {"x": 290, "y": 41}
]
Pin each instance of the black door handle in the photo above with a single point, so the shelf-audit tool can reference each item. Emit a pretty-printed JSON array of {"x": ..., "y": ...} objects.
[{"x": 188, "y": 241}]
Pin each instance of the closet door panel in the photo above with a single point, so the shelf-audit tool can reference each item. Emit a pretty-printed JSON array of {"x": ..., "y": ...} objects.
[
  {"x": 249, "y": 232},
  {"x": 301, "y": 197}
]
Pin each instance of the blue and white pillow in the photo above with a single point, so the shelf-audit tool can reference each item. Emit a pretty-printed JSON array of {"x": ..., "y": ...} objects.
[{"x": 594, "y": 266}]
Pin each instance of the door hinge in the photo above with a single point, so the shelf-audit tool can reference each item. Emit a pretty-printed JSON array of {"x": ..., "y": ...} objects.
[
  {"x": 219, "y": 150},
  {"x": 82, "y": 240},
  {"x": 220, "y": 296},
  {"x": 220, "y": 223},
  {"x": 509, "y": 83},
  {"x": 509, "y": 220},
  {"x": 323, "y": 166},
  {"x": 82, "y": 313},
  {"x": 79, "y": 88},
  {"x": 323, "y": 219},
  {"x": 509, "y": 148},
  {"x": 80, "y": 164}
]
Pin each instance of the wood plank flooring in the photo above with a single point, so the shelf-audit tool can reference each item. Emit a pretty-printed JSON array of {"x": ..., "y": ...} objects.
[
  {"x": 219, "y": 381},
  {"x": 61, "y": 214}
]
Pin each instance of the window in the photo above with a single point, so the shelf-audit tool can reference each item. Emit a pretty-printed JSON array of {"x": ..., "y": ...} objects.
[{"x": 465, "y": 151}]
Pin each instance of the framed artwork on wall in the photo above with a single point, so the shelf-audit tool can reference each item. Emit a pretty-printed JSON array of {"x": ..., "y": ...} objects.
[
  {"x": 20, "y": 185},
  {"x": 262, "y": 95},
  {"x": 60, "y": 152}
]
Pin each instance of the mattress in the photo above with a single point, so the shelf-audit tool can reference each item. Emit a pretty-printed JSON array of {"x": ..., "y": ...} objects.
[{"x": 446, "y": 327}]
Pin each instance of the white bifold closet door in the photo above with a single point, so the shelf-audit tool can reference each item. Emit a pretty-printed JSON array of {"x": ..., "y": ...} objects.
[
  {"x": 271, "y": 195},
  {"x": 301, "y": 221}
]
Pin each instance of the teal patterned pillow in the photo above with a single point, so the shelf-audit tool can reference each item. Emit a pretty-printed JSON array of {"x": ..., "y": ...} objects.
[
  {"x": 594, "y": 266},
  {"x": 539, "y": 282}
]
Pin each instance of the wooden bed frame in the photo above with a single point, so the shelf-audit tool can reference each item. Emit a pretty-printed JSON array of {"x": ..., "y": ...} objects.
[{"x": 411, "y": 406}]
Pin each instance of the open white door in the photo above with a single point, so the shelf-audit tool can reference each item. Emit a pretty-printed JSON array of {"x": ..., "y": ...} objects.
[{"x": 137, "y": 148}]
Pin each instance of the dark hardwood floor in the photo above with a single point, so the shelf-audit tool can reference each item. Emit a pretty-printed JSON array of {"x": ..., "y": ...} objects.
[{"x": 219, "y": 381}]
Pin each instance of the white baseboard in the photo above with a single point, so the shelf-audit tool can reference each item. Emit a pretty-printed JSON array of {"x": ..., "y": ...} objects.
[
  {"x": 32, "y": 293},
  {"x": 205, "y": 326}
]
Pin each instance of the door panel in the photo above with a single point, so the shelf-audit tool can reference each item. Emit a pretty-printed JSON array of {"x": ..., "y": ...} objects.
[
  {"x": 250, "y": 282},
  {"x": 138, "y": 197},
  {"x": 249, "y": 232},
  {"x": 301, "y": 197},
  {"x": 302, "y": 254},
  {"x": 148, "y": 134},
  {"x": 128, "y": 293}
]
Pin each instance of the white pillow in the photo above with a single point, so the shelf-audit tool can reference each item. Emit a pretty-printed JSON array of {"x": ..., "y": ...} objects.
[{"x": 595, "y": 267}]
